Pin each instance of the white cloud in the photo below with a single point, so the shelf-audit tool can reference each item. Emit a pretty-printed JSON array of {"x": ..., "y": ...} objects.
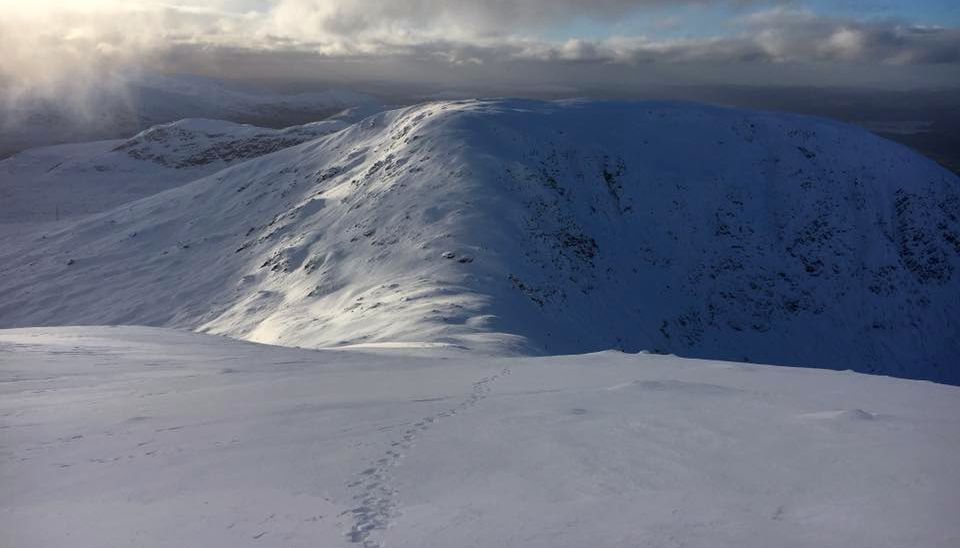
[{"x": 50, "y": 46}]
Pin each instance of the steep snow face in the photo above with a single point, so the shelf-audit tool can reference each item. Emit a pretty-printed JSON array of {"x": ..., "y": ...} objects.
[
  {"x": 64, "y": 181},
  {"x": 510, "y": 226},
  {"x": 192, "y": 440}
]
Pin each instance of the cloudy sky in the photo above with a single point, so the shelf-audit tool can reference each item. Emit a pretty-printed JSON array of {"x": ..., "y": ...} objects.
[{"x": 895, "y": 44}]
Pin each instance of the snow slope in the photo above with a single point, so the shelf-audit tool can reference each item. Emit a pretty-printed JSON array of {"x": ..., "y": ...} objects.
[
  {"x": 62, "y": 181},
  {"x": 532, "y": 227},
  {"x": 157, "y": 438}
]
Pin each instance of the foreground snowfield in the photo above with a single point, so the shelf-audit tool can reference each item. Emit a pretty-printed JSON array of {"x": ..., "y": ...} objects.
[{"x": 160, "y": 438}]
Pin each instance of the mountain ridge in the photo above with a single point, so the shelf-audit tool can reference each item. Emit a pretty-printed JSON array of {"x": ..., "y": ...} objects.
[{"x": 510, "y": 226}]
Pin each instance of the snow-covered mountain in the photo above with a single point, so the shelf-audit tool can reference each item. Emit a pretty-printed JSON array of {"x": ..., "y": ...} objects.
[
  {"x": 125, "y": 104},
  {"x": 61, "y": 181},
  {"x": 161, "y": 98},
  {"x": 519, "y": 226}
]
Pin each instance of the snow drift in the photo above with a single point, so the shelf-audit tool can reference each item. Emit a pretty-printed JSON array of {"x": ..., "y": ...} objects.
[{"x": 533, "y": 227}]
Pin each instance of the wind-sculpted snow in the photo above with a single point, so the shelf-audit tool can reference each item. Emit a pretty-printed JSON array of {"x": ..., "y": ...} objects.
[{"x": 513, "y": 226}]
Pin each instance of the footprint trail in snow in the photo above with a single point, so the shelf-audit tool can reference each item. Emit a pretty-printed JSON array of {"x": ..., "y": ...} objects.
[{"x": 375, "y": 497}]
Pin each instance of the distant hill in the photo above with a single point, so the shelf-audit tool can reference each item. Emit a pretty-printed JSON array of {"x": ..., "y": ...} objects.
[{"x": 126, "y": 105}]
